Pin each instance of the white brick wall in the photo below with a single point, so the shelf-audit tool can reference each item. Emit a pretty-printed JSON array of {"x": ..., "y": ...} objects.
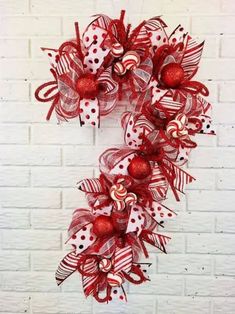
[{"x": 41, "y": 163}]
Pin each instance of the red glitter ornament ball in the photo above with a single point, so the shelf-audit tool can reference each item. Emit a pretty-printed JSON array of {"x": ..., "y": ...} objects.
[
  {"x": 139, "y": 168},
  {"x": 103, "y": 226},
  {"x": 172, "y": 75},
  {"x": 87, "y": 86}
]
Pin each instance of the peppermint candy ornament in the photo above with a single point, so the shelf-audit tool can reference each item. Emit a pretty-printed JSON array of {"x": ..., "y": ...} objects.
[
  {"x": 118, "y": 192},
  {"x": 119, "y": 68},
  {"x": 177, "y": 127},
  {"x": 130, "y": 199},
  {"x": 105, "y": 265},
  {"x": 117, "y": 50},
  {"x": 131, "y": 60}
]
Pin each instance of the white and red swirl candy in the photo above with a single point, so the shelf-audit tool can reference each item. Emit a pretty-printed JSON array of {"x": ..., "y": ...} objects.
[
  {"x": 105, "y": 265},
  {"x": 177, "y": 127}
]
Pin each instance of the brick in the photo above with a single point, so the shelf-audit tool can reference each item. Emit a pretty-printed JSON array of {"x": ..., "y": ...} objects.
[
  {"x": 109, "y": 7},
  {"x": 14, "y": 91},
  {"x": 226, "y": 91},
  {"x": 204, "y": 140},
  {"x": 46, "y": 260},
  {"x": 224, "y": 305},
  {"x": 26, "y": 69},
  {"x": 10, "y": 260},
  {"x": 183, "y": 305},
  {"x": 31, "y": 240},
  {"x": 28, "y": 281},
  {"x": 179, "y": 6},
  {"x": 13, "y": 7},
  {"x": 190, "y": 222},
  {"x": 216, "y": 70},
  {"x": 30, "y": 155},
  {"x": 212, "y": 158},
  {"x": 160, "y": 284},
  {"x": 147, "y": 7},
  {"x": 205, "y": 179},
  {"x": 215, "y": 25},
  {"x": 14, "y": 48},
  {"x": 30, "y": 26},
  {"x": 211, "y": 47},
  {"x": 12, "y": 176},
  {"x": 73, "y": 198},
  {"x": 15, "y": 219},
  {"x": 210, "y": 244},
  {"x": 63, "y": 303},
  {"x": 14, "y": 302},
  {"x": 227, "y": 6},
  {"x": 61, "y": 134},
  {"x": 141, "y": 304},
  {"x": 210, "y": 286},
  {"x": 53, "y": 219},
  {"x": 33, "y": 198},
  {"x": 109, "y": 136},
  {"x": 224, "y": 265},
  {"x": 211, "y": 201},
  {"x": 227, "y": 48},
  {"x": 14, "y": 134},
  {"x": 213, "y": 89},
  {"x": 225, "y": 223},
  {"x": 184, "y": 264},
  {"x": 62, "y": 7},
  {"x": 225, "y": 115},
  {"x": 226, "y": 135},
  {"x": 22, "y": 112},
  {"x": 176, "y": 206},
  {"x": 225, "y": 179},
  {"x": 64, "y": 177},
  {"x": 73, "y": 156}
]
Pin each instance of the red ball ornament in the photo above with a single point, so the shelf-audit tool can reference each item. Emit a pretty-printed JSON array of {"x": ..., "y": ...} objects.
[
  {"x": 87, "y": 86},
  {"x": 172, "y": 75},
  {"x": 103, "y": 226},
  {"x": 139, "y": 168}
]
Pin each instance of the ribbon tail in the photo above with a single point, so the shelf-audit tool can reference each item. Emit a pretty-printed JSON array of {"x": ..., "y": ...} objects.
[
  {"x": 135, "y": 270},
  {"x": 106, "y": 298},
  {"x": 52, "y": 107}
]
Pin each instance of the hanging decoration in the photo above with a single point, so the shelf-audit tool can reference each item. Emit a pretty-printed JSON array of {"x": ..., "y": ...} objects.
[{"x": 153, "y": 72}]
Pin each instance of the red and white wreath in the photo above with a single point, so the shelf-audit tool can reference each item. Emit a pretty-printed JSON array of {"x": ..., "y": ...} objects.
[{"x": 154, "y": 73}]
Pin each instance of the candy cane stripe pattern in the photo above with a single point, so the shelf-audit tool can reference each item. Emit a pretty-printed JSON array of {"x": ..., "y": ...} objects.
[{"x": 149, "y": 70}]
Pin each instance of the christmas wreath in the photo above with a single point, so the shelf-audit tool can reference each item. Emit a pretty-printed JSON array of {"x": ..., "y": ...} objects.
[{"x": 154, "y": 73}]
